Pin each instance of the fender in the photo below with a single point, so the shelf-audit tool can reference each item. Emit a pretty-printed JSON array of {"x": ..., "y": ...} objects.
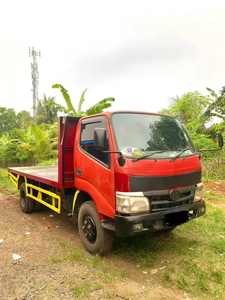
[{"x": 102, "y": 205}]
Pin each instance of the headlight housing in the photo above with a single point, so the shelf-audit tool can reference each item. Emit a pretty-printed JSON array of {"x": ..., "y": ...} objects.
[
  {"x": 199, "y": 192},
  {"x": 132, "y": 203}
]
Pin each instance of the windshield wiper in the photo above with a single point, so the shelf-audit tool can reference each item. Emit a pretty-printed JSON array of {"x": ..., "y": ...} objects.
[
  {"x": 142, "y": 157},
  {"x": 179, "y": 154}
]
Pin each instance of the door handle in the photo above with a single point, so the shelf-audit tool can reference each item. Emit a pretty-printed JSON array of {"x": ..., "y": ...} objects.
[{"x": 78, "y": 172}]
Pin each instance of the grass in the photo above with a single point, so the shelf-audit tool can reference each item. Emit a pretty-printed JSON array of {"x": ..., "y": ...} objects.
[
  {"x": 213, "y": 169},
  {"x": 194, "y": 255},
  {"x": 213, "y": 196},
  {"x": 192, "y": 258},
  {"x": 99, "y": 265},
  {"x": 99, "y": 268},
  {"x": 50, "y": 162},
  {"x": 81, "y": 291},
  {"x": 5, "y": 182},
  {"x": 84, "y": 290}
]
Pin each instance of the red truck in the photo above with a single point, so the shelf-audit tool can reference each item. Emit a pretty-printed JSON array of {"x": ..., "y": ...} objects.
[{"x": 123, "y": 173}]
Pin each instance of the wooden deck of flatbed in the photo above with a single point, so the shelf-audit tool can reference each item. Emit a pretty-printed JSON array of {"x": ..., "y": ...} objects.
[{"x": 45, "y": 174}]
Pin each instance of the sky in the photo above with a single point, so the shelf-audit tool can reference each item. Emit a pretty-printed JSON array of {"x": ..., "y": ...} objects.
[{"x": 142, "y": 53}]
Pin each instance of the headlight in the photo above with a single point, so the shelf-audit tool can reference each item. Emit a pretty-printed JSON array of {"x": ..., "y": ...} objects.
[
  {"x": 132, "y": 203},
  {"x": 199, "y": 192}
]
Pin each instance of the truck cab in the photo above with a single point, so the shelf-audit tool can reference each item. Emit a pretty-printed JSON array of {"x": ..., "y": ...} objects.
[{"x": 141, "y": 170}]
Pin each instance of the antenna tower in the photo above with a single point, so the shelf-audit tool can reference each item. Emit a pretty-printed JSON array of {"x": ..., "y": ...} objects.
[{"x": 35, "y": 77}]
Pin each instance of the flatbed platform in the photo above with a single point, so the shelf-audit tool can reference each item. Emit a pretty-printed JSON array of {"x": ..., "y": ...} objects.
[
  {"x": 59, "y": 176},
  {"x": 45, "y": 174}
]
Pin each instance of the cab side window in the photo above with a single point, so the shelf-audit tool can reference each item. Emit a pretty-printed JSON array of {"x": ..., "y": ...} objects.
[{"x": 87, "y": 140}]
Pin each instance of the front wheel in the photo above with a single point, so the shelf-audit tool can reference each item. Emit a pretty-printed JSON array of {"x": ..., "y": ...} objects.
[
  {"x": 27, "y": 204},
  {"x": 94, "y": 237}
]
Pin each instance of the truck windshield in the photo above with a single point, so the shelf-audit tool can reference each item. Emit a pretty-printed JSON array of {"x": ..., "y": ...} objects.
[{"x": 139, "y": 134}]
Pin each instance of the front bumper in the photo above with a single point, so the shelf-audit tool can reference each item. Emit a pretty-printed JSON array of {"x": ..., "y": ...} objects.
[{"x": 157, "y": 221}]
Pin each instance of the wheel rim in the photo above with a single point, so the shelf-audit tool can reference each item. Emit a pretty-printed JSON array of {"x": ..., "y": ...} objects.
[{"x": 89, "y": 229}]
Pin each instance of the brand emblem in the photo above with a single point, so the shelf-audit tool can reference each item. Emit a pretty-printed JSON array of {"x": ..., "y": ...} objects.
[{"x": 174, "y": 195}]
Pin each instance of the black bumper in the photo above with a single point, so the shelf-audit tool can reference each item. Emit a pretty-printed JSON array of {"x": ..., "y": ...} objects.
[{"x": 157, "y": 221}]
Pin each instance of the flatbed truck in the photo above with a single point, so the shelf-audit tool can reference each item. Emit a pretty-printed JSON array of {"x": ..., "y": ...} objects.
[{"x": 123, "y": 173}]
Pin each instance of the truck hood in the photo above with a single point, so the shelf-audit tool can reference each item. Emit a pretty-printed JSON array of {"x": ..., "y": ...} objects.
[{"x": 146, "y": 174}]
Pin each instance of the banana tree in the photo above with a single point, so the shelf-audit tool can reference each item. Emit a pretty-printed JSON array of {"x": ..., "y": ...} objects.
[
  {"x": 39, "y": 143},
  {"x": 217, "y": 106},
  {"x": 96, "y": 108}
]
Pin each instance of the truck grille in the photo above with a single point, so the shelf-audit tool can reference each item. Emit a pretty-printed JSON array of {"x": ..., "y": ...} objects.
[{"x": 161, "y": 200}]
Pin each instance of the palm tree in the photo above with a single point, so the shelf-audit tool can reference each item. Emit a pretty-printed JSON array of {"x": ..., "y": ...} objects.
[
  {"x": 96, "y": 108},
  {"x": 47, "y": 110},
  {"x": 190, "y": 110}
]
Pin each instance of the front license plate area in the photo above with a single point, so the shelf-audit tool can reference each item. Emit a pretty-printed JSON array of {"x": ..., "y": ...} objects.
[{"x": 177, "y": 218}]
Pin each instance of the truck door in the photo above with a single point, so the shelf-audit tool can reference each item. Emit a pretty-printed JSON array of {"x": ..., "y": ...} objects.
[{"x": 93, "y": 168}]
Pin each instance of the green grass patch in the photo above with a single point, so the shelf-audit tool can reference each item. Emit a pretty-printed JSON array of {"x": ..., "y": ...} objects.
[
  {"x": 84, "y": 290},
  {"x": 97, "y": 264},
  {"x": 5, "y": 182},
  {"x": 213, "y": 169},
  {"x": 213, "y": 196},
  {"x": 50, "y": 162},
  {"x": 81, "y": 291},
  {"x": 192, "y": 256},
  {"x": 111, "y": 295}
]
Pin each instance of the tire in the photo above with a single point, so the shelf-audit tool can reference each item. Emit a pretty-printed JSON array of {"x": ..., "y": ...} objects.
[
  {"x": 27, "y": 204},
  {"x": 94, "y": 237},
  {"x": 39, "y": 206}
]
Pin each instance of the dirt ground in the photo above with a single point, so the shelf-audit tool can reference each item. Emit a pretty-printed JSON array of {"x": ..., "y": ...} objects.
[
  {"x": 35, "y": 276},
  {"x": 217, "y": 188}
]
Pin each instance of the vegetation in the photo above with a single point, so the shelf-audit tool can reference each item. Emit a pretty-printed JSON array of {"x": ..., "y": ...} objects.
[
  {"x": 37, "y": 143},
  {"x": 189, "y": 109},
  {"x": 196, "y": 111},
  {"x": 217, "y": 106},
  {"x": 95, "y": 109},
  {"x": 47, "y": 110},
  {"x": 5, "y": 183},
  {"x": 25, "y": 140},
  {"x": 10, "y": 120}
]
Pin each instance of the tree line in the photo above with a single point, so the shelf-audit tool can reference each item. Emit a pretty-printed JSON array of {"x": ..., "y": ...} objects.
[
  {"x": 29, "y": 140},
  {"x": 203, "y": 116}
]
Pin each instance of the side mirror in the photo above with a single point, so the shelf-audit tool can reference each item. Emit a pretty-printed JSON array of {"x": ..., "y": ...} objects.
[
  {"x": 220, "y": 140},
  {"x": 100, "y": 139}
]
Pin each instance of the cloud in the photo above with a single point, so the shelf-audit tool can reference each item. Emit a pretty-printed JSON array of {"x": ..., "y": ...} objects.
[{"x": 125, "y": 57}]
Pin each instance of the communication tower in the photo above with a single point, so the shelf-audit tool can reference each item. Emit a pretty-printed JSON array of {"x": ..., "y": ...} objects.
[{"x": 35, "y": 77}]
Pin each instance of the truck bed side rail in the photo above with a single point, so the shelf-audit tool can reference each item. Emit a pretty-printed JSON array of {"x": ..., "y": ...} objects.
[
  {"x": 54, "y": 199},
  {"x": 14, "y": 179}
]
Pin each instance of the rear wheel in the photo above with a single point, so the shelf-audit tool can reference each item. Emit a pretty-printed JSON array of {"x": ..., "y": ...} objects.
[
  {"x": 26, "y": 203},
  {"x": 94, "y": 237},
  {"x": 39, "y": 206}
]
